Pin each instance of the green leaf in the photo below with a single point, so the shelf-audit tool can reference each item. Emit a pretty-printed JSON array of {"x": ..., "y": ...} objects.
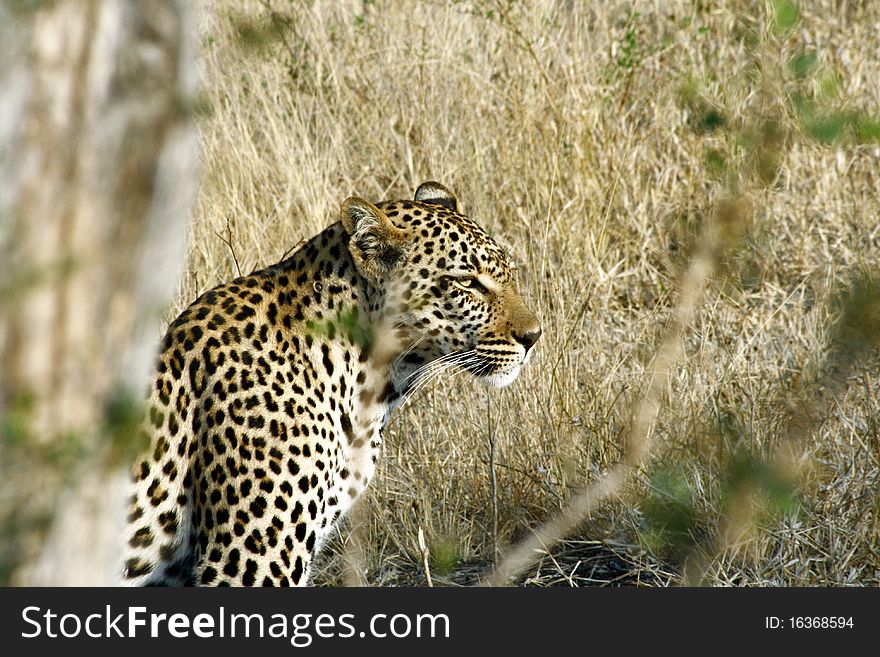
[
  {"x": 828, "y": 86},
  {"x": 867, "y": 130},
  {"x": 711, "y": 120},
  {"x": 670, "y": 516},
  {"x": 785, "y": 15},
  {"x": 828, "y": 128},
  {"x": 802, "y": 65},
  {"x": 745, "y": 473},
  {"x": 445, "y": 554},
  {"x": 716, "y": 162}
]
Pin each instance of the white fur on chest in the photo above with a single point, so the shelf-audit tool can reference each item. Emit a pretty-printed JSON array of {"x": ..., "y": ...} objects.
[{"x": 360, "y": 453}]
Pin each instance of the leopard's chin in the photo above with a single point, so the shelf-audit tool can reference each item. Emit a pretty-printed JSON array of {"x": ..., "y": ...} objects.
[{"x": 501, "y": 378}]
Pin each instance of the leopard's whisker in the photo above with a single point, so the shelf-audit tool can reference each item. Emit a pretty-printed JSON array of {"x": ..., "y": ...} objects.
[
  {"x": 456, "y": 366},
  {"x": 433, "y": 374},
  {"x": 443, "y": 359}
]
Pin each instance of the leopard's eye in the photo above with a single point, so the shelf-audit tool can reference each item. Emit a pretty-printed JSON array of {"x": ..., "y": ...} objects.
[{"x": 472, "y": 283}]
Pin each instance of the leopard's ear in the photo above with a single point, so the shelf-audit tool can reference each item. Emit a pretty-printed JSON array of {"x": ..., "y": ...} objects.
[
  {"x": 434, "y": 192},
  {"x": 375, "y": 244}
]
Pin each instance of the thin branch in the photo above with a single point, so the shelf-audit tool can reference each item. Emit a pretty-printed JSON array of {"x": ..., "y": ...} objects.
[{"x": 228, "y": 242}]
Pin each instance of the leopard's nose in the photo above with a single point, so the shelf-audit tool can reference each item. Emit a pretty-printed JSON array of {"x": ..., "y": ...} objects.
[{"x": 528, "y": 338}]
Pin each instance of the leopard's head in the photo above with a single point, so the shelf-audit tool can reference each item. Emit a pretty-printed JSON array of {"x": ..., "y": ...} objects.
[{"x": 448, "y": 289}]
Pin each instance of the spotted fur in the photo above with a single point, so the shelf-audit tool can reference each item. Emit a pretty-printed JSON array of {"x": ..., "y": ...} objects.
[{"x": 270, "y": 393}]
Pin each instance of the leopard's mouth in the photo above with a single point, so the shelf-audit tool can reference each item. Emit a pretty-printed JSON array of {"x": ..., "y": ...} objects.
[
  {"x": 498, "y": 372},
  {"x": 490, "y": 365}
]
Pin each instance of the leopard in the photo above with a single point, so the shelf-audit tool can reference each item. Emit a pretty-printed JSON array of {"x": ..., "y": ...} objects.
[{"x": 266, "y": 411}]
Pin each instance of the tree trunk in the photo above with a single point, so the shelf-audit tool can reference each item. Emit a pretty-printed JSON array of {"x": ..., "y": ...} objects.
[{"x": 97, "y": 176}]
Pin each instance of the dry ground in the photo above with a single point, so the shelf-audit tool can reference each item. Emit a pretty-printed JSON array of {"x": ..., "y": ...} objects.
[{"x": 562, "y": 128}]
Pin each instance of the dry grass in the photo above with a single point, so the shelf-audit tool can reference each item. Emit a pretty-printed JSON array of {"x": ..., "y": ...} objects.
[{"x": 562, "y": 129}]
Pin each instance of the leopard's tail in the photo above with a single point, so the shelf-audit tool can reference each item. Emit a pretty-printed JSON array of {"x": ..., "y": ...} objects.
[{"x": 160, "y": 548}]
